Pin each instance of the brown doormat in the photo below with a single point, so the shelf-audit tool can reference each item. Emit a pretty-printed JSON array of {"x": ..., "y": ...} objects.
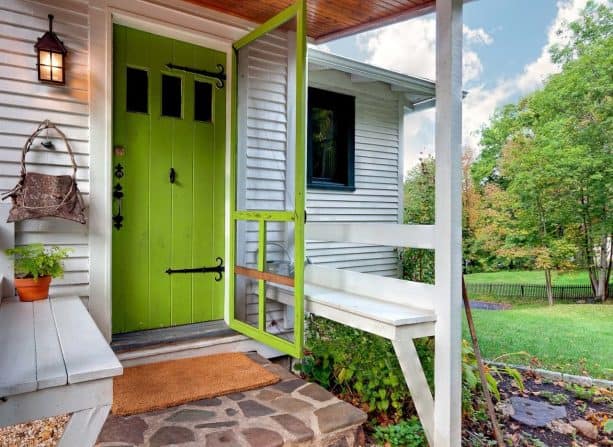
[{"x": 166, "y": 384}]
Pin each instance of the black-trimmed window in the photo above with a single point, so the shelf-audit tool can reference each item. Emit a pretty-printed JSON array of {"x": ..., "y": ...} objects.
[{"x": 331, "y": 147}]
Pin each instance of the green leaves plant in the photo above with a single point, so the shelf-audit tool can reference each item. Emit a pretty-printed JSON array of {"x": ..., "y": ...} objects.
[
  {"x": 34, "y": 260},
  {"x": 407, "y": 433}
]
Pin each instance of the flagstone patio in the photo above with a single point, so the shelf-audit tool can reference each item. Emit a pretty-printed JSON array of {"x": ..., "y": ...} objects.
[{"x": 289, "y": 413}]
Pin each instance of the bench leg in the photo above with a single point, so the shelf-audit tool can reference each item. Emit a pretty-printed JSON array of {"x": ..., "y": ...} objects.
[
  {"x": 418, "y": 385},
  {"x": 84, "y": 427}
]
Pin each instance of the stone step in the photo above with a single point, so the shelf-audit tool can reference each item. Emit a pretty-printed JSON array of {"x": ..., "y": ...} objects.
[{"x": 289, "y": 413}]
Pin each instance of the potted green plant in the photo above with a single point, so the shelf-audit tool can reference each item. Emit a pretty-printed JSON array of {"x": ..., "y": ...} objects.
[{"x": 35, "y": 265}]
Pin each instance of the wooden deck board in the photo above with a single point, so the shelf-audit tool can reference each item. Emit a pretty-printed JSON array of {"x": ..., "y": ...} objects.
[
  {"x": 17, "y": 348},
  {"x": 87, "y": 355},
  {"x": 50, "y": 369}
]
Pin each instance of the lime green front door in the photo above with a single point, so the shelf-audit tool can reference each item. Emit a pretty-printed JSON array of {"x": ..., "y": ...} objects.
[{"x": 168, "y": 182}]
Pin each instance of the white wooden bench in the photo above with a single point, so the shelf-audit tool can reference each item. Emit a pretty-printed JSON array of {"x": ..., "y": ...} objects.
[
  {"x": 392, "y": 308},
  {"x": 53, "y": 361}
]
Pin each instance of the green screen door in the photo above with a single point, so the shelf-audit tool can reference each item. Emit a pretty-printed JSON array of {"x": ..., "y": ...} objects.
[{"x": 268, "y": 181}]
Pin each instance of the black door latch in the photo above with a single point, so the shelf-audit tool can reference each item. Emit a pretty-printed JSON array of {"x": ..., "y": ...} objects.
[{"x": 218, "y": 270}]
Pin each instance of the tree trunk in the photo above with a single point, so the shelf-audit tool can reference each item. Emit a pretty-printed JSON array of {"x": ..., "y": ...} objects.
[
  {"x": 548, "y": 286},
  {"x": 603, "y": 269}
]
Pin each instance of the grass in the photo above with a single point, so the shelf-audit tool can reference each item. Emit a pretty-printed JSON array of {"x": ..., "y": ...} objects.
[
  {"x": 571, "y": 338},
  {"x": 572, "y": 278}
]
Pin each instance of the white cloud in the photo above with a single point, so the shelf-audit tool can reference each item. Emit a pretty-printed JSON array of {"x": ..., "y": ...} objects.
[{"x": 387, "y": 47}]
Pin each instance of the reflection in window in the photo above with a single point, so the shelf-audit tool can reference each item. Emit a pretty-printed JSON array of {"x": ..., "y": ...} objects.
[
  {"x": 331, "y": 140},
  {"x": 324, "y": 137}
]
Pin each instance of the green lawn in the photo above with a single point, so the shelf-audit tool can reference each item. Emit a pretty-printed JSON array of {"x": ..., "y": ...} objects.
[
  {"x": 572, "y": 338},
  {"x": 579, "y": 277}
]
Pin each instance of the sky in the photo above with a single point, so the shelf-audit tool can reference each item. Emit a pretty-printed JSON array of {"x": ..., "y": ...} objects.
[{"x": 505, "y": 57}]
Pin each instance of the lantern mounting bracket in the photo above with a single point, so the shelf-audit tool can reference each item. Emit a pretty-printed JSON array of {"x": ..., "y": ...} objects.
[{"x": 220, "y": 75}]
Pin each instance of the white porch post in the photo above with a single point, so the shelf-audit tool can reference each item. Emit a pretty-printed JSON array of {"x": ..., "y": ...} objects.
[{"x": 448, "y": 222}]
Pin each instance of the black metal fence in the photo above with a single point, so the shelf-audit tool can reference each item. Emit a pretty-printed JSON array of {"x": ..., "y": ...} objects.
[{"x": 532, "y": 291}]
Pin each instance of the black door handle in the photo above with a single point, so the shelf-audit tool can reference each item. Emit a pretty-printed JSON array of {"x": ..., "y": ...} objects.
[{"x": 173, "y": 175}]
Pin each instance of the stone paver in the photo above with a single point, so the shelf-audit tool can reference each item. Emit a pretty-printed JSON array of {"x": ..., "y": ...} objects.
[
  {"x": 287, "y": 386},
  {"x": 123, "y": 429},
  {"x": 267, "y": 395},
  {"x": 316, "y": 392},
  {"x": 191, "y": 416},
  {"x": 226, "y": 438},
  {"x": 337, "y": 416},
  {"x": 288, "y": 413},
  {"x": 535, "y": 413},
  {"x": 291, "y": 405},
  {"x": 261, "y": 437},
  {"x": 252, "y": 409},
  {"x": 171, "y": 435},
  {"x": 295, "y": 427}
]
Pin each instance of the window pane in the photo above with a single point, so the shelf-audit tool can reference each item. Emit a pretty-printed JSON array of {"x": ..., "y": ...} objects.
[
  {"x": 324, "y": 140},
  {"x": 203, "y": 101},
  {"x": 171, "y": 96},
  {"x": 137, "y": 89}
]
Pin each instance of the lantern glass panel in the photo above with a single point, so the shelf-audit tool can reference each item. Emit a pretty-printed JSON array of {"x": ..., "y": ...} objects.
[
  {"x": 45, "y": 72},
  {"x": 57, "y": 59},
  {"x": 44, "y": 57},
  {"x": 57, "y": 74}
]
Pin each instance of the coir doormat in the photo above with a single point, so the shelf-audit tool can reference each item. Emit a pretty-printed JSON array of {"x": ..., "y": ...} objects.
[{"x": 166, "y": 384}]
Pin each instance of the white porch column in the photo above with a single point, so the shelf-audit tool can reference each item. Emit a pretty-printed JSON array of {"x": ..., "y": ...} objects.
[{"x": 448, "y": 222}]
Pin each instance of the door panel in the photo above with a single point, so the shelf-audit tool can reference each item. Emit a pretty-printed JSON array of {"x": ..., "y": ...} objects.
[{"x": 167, "y": 225}]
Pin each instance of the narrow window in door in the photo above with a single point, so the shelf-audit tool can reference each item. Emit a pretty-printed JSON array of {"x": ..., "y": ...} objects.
[
  {"x": 137, "y": 90},
  {"x": 171, "y": 96},
  {"x": 203, "y": 101}
]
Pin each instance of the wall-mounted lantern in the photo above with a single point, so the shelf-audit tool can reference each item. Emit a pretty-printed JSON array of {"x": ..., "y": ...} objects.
[{"x": 51, "y": 53}]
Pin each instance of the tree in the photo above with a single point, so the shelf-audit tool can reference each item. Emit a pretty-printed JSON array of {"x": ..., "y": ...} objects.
[
  {"x": 503, "y": 125},
  {"x": 418, "y": 264},
  {"x": 549, "y": 159}
]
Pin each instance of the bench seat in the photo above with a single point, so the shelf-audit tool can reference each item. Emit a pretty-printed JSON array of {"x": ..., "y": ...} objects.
[
  {"x": 54, "y": 360},
  {"x": 386, "y": 319}
]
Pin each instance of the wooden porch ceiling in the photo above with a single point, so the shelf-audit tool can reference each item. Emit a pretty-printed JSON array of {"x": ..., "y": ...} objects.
[{"x": 327, "y": 19}]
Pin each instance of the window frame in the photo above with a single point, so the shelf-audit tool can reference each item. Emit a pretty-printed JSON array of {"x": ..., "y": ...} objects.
[{"x": 343, "y": 106}]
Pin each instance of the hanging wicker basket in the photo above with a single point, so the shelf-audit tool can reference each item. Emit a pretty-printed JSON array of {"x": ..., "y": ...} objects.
[{"x": 43, "y": 195}]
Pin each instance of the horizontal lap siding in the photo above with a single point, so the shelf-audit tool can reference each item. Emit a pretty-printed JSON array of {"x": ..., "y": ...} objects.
[
  {"x": 25, "y": 102},
  {"x": 376, "y": 198},
  {"x": 263, "y": 167}
]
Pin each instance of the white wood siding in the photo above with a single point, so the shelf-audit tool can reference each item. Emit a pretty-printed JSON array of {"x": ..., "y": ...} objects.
[
  {"x": 25, "y": 102},
  {"x": 377, "y": 173},
  {"x": 264, "y": 161}
]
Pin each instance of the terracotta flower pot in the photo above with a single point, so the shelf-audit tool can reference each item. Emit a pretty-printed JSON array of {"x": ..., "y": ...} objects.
[{"x": 30, "y": 289}]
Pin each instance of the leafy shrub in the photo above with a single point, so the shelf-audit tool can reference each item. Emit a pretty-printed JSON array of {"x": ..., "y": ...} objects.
[
  {"x": 32, "y": 261},
  {"x": 360, "y": 366},
  {"x": 407, "y": 433},
  {"x": 363, "y": 369},
  {"x": 417, "y": 264}
]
